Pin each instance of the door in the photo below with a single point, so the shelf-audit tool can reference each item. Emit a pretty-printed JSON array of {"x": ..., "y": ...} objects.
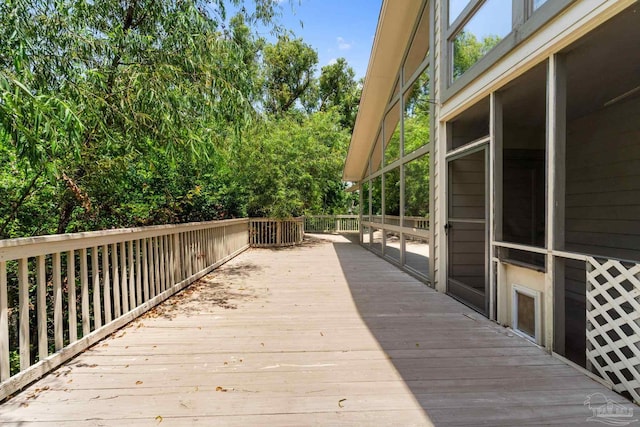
[{"x": 466, "y": 229}]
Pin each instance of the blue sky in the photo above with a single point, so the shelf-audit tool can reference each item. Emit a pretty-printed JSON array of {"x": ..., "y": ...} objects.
[{"x": 335, "y": 28}]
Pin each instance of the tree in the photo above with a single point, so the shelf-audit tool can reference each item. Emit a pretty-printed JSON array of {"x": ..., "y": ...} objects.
[
  {"x": 289, "y": 65},
  {"x": 87, "y": 87},
  {"x": 293, "y": 167},
  {"x": 338, "y": 89}
]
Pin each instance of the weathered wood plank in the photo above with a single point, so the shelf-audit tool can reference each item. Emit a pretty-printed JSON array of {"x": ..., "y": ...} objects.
[{"x": 323, "y": 334}]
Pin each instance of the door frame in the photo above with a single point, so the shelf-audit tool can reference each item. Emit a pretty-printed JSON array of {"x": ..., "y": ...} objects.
[{"x": 482, "y": 144}]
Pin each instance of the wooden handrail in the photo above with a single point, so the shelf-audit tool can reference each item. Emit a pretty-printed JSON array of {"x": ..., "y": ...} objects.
[
  {"x": 112, "y": 276},
  {"x": 269, "y": 232},
  {"x": 331, "y": 223}
]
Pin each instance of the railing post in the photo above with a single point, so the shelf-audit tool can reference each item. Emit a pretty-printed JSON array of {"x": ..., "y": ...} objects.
[
  {"x": 278, "y": 232},
  {"x": 5, "y": 368},
  {"x": 23, "y": 307}
]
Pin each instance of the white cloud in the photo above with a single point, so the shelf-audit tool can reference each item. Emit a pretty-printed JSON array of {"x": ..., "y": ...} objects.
[{"x": 343, "y": 44}]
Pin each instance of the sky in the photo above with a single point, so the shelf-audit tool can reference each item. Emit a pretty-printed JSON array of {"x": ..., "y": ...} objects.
[{"x": 335, "y": 28}]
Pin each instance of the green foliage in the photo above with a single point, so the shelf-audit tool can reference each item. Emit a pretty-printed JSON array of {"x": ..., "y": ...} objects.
[
  {"x": 124, "y": 113},
  {"x": 293, "y": 167},
  {"x": 288, "y": 72},
  {"x": 338, "y": 89}
]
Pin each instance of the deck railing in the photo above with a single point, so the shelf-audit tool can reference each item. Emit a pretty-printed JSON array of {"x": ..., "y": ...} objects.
[
  {"x": 61, "y": 294},
  {"x": 418, "y": 222},
  {"x": 267, "y": 232},
  {"x": 331, "y": 223}
]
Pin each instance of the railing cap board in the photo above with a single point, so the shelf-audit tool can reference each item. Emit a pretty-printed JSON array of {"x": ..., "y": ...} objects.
[
  {"x": 295, "y": 219},
  {"x": 24, "y": 247}
]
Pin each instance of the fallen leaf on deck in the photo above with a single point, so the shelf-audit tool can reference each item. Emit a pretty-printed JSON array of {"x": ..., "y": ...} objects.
[
  {"x": 340, "y": 403},
  {"x": 138, "y": 382},
  {"x": 159, "y": 419},
  {"x": 321, "y": 334},
  {"x": 222, "y": 389}
]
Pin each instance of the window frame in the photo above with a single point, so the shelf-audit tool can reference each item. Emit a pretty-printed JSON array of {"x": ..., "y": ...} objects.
[{"x": 525, "y": 22}]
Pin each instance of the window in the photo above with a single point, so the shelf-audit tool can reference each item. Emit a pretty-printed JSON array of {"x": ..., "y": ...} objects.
[
  {"x": 376, "y": 155},
  {"x": 538, "y": 3},
  {"x": 366, "y": 235},
  {"x": 392, "y": 196},
  {"x": 470, "y": 126},
  {"x": 365, "y": 201},
  {"x": 455, "y": 8},
  {"x": 391, "y": 133},
  {"x": 392, "y": 246},
  {"x": 419, "y": 47},
  {"x": 416, "y": 193},
  {"x": 480, "y": 34},
  {"x": 376, "y": 199},
  {"x": 416, "y": 114}
]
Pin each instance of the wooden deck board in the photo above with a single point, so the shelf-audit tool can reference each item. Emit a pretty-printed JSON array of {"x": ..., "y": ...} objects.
[{"x": 325, "y": 334}]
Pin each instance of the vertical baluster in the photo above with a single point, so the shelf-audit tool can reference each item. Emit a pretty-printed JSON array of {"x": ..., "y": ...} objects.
[
  {"x": 23, "y": 306},
  {"x": 132, "y": 289},
  {"x": 189, "y": 266},
  {"x": 71, "y": 289},
  {"x": 41, "y": 307},
  {"x": 196, "y": 251},
  {"x": 117, "y": 307},
  {"x": 167, "y": 264},
  {"x": 177, "y": 258},
  {"x": 97, "y": 313},
  {"x": 145, "y": 268},
  {"x": 172, "y": 259},
  {"x": 140, "y": 298},
  {"x": 5, "y": 368},
  {"x": 187, "y": 248},
  {"x": 123, "y": 278},
  {"x": 156, "y": 264},
  {"x": 152, "y": 277},
  {"x": 163, "y": 279},
  {"x": 84, "y": 289},
  {"x": 58, "y": 336},
  {"x": 189, "y": 253},
  {"x": 106, "y": 281}
]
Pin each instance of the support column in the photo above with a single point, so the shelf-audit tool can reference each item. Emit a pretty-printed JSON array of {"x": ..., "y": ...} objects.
[
  {"x": 495, "y": 201},
  {"x": 556, "y": 154}
]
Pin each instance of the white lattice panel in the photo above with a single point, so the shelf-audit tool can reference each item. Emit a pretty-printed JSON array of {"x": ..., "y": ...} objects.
[{"x": 613, "y": 323}]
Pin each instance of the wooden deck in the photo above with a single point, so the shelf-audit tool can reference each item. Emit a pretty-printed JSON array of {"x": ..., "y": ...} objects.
[{"x": 324, "y": 334}]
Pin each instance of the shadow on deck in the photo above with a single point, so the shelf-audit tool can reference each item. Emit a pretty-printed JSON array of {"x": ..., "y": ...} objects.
[{"x": 323, "y": 334}]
